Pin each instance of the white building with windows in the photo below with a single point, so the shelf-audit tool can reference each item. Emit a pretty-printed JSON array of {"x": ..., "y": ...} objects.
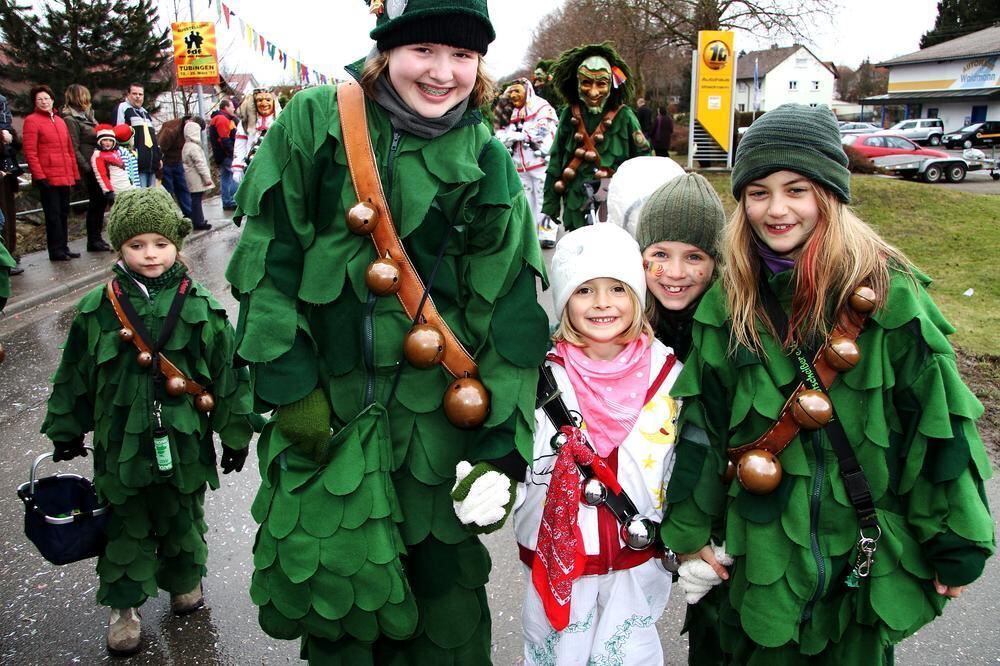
[
  {"x": 784, "y": 74},
  {"x": 957, "y": 81}
]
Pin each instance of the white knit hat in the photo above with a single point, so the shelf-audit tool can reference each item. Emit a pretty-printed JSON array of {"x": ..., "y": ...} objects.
[
  {"x": 596, "y": 251},
  {"x": 634, "y": 181}
]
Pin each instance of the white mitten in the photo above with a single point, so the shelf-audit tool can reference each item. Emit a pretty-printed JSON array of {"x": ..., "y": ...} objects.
[
  {"x": 237, "y": 176},
  {"x": 482, "y": 497},
  {"x": 697, "y": 576}
]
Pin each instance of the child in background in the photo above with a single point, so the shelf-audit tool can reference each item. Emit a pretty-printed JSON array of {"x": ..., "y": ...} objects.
[
  {"x": 196, "y": 173},
  {"x": 126, "y": 150},
  {"x": 591, "y": 597},
  {"x": 823, "y": 575},
  {"x": 153, "y": 441},
  {"x": 109, "y": 168}
]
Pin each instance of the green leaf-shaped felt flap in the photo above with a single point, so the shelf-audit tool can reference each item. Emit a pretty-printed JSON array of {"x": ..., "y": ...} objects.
[
  {"x": 276, "y": 625},
  {"x": 284, "y": 514},
  {"x": 322, "y": 518},
  {"x": 298, "y": 555},
  {"x": 452, "y": 617},
  {"x": 333, "y": 595},
  {"x": 361, "y": 624},
  {"x": 372, "y": 585},
  {"x": 398, "y": 620},
  {"x": 291, "y": 599},
  {"x": 344, "y": 553},
  {"x": 358, "y": 505}
]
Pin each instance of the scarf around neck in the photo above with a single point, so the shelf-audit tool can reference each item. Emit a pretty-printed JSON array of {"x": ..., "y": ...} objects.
[
  {"x": 610, "y": 393},
  {"x": 776, "y": 262},
  {"x": 404, "y": 118}
]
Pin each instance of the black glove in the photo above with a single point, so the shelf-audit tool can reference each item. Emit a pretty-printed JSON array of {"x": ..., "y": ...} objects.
[
  {"x": 68, "y": 450},
  {"x": 41, "y": 184},
  {"x": 233, "y": 459},
  {"x": 110, "y": 196}
]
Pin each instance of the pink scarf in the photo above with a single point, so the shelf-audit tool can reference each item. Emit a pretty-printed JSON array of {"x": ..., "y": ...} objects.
[{"x": 610, "y": 393}]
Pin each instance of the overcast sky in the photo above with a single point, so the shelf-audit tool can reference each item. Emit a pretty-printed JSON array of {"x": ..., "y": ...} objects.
[{"x": 327, "y": 35}]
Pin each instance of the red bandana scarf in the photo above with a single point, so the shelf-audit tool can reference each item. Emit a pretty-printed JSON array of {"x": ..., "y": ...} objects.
[{"x": 559, "y": 555}]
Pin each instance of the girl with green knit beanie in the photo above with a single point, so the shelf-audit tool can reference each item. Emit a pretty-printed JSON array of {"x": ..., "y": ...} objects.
[
  {"x": 862, "y": 512},
  {"x": 154, "y": 454}
]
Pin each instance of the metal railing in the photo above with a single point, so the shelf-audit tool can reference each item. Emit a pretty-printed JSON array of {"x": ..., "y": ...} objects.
[{"x": 25, "y": 179}]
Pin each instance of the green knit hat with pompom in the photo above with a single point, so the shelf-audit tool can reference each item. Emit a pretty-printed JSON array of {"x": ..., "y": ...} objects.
[{"x": 143, "y": 211}]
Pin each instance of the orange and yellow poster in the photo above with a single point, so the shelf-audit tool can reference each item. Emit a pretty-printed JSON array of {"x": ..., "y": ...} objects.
[
  {"x": 195, "y": 53},
  {"x": 715, "y": 84}
]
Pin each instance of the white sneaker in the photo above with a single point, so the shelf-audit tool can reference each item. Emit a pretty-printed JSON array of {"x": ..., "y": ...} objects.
[{"x": 123, "y": 630}]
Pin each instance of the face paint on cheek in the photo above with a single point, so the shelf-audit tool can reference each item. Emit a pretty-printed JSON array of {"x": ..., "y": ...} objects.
[{"x": 653, "y": 268}]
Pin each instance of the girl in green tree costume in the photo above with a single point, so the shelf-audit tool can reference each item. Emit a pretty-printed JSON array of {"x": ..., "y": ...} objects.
[
  {"x": 906, "y": 415},
  {"x": 156, "y": 533},
  {"x": 359, "y": 551},
  {"x": 595, "y": 82}
]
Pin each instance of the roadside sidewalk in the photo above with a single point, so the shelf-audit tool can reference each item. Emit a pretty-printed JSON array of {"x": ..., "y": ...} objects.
[{"x": 43, "y": 281}]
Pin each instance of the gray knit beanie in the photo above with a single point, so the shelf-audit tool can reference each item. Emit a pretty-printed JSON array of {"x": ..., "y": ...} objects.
[
  {"x": 685, "y": 209},
  {"x": 798, "y": 138},
  {"x": 146, "y": 210}
]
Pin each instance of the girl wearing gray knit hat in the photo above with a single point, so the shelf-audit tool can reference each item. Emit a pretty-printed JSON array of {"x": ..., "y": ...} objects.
[{"x": 821, "y": 373}]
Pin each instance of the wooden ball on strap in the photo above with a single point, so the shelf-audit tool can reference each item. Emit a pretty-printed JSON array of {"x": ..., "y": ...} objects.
[
  {"x": 204, "y": 402},
  {"x": 590, "y": 156},
  {"x": 362, "y": 218},
  {"x": 176, "y": 386},
  {"x": 466, "y": 403},
  {"x": 559, "y": 187},
  {"x": 382, "y": 276},
  {"x": 811, "y": 409},
  {"x": 598, "y": 138},
  {"x": 144, "y": 359},
  {"x": 568, "y": 173},
  {"x": 863, "y": 300},
  {"x": 842, "y": 354},
  {"x": 423, "y": 346},
  {"x": 126, "y": 334},
  {"x": 578, "y": 137},
  {"x": 579, "y": 153},
  {"x": 759, "y": 472}
]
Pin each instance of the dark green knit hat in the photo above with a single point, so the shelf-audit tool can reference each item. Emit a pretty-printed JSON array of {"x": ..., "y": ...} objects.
[
  {"x": 461, "y": 23},
  {"x": 685, "y": 209},
  {"x": 798, "y": 138},
  {"x": 143, "y": 211}
]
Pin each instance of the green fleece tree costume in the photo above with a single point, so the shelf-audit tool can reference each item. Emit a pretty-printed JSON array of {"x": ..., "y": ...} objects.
[
  {"x": 359, "y": 551},
  {"x": 156, "y": 531},
  {"x": 622, "y": 141},
  {"x": 911, "y": 423}
]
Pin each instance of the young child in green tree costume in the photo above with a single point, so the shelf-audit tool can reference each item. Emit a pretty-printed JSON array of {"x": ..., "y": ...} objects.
[
  {"x": 359, "y": 551},
  {"x": 597, "y": 129},
  {"x": 794, "y": 256},
  {"x": 156, "y": 533}
]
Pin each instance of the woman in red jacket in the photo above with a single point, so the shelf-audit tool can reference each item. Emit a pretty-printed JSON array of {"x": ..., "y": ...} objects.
[{"x": 52, "y": 161}]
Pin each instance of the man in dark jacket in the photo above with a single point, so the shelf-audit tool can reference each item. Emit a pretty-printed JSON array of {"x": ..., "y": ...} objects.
[
  {"x": 171, "y": 142},
  {"x": 146, "y": 147},
  {"x": 645, "y": 116},
  {"x": 222, "y": 133}
]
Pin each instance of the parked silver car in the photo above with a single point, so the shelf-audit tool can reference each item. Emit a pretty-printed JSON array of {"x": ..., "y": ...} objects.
[
  {"x": 921, "y": 130},
  {"x": 858, "y": 128}
]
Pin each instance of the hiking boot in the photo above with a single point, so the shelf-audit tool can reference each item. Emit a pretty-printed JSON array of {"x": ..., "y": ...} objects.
[
  {"x": 123, "y": 631},
  {"x": 182, "y": 604}
]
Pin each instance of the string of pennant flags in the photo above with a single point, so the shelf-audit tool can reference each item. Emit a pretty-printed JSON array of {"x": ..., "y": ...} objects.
[{"x": 260, "y": 44}]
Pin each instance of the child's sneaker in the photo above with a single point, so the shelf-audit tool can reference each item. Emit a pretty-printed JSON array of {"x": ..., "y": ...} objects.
[
  {"x": 182, "y": 604},
  {"x": 123, "y": 631}
]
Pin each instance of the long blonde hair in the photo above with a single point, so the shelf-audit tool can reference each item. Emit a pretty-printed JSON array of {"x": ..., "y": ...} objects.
[
  {"x": 483, "y": 91},
  {"x": 841, "y": 253}
]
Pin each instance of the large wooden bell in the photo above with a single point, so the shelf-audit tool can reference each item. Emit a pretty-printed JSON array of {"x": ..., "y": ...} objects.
[
  {"x": 559, "y": 187},
  {"x": 759, "y": 472},
  {"x": 842, "y": 354},
  {"x": 590, "y": 156},
  {"x": 811, "y": 409},
  {"x": 204, "y": 402},
  {"x": 568, "y": 173},
  {"x": 144, "y": 359},
  {"x": 579, "y": 153},
  {"x": 125, "y": 334},
  {"x": 863, "y": 299},
  {"x": 176, "y": 386},
  {"x": 466, "y": 403},
  {"x": 578, "y": 137},
  {"x": 423, "y": 346},
  {"x": 382, "y": 276},
  {"x": 362, "y": 218},
  {"x": 598, "y": 138}
]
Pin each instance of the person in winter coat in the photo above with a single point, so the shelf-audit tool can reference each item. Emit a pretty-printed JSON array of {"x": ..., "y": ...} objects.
[
  {"x": 107, "y": 165},
  {"x": 597, "y": 130},
  {"x": 196, "y": 173},
  {"x": 853, "y": 522},
  {"x": 125, "y": 136},
  {"x": 52, "y": 162},
  {"x": 663, "y": 132},
  {"x": 146, "y": 148},
  {"x": 222, "y": 133},
  {"x": 79, "y": 118},
  {"x": 10, "y": 169},
  {"x": 154, "y": 452},
  {"x": 382, "y": 571},
  {"x": 591, "y": 598},
  {"x": 171, "y": 141},
  {"x": 528, "y": 136},
  {"x": 256, "y": 115}
]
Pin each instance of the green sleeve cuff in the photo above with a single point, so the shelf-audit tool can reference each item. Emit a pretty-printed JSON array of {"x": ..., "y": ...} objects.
[{"x": 956, "y": 561}]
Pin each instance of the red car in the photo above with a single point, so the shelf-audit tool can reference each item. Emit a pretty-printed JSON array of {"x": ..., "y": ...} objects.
[{"x": 879, "y": 145}]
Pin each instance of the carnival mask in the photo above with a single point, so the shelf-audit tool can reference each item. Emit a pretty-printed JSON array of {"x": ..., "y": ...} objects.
[
  {"x": 517, "y": 95},
  {"x": 264, "y": 103},
  {"x": 539, "y": 78},
  {"x": 594, "y": 83}
]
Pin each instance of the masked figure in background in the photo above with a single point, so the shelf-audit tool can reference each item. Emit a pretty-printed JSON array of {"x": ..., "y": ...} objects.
[
  {"x": 256, "y": 115},
  {"x": 529, "y": 136},
  {"x": 541, "y": 79},
  {"x": 597, "y": 132}
]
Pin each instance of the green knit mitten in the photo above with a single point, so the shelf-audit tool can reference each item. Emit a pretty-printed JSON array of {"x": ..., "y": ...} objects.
[
  {"x": 306, "y": 424},
  {"x": 483, "y": 497}
]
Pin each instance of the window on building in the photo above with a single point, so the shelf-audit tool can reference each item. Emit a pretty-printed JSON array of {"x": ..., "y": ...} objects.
[
  {"x": 932, "y": 113},
  {"x": 815, "y": 85},
  {"x": 793, "y": 85},
  {"x": 740, "y": 107}
]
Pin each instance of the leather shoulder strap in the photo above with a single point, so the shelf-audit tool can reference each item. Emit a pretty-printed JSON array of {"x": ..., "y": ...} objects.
[{"x": 368, "y": 187}]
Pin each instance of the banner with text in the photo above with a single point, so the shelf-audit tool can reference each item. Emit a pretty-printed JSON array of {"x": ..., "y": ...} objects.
[
  {"x": 195, "y": 53},
  {"x": 716, "y": 69}
]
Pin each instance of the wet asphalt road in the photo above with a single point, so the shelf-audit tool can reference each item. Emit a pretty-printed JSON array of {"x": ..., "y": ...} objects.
[{"x": 48, "y": 615}]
